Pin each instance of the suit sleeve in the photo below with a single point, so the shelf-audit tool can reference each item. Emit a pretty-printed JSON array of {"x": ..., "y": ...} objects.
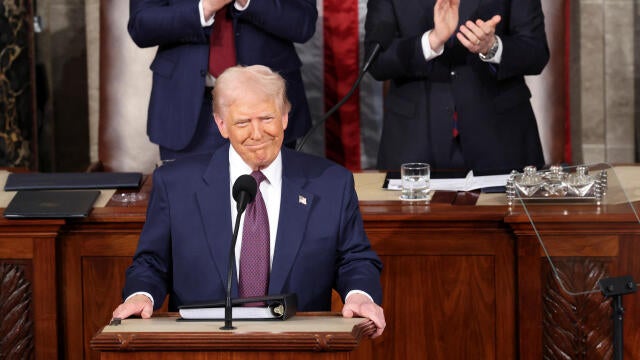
[
  {"x": 151, "y": 266},
  {"x": 292, "y": 20},
  {"x": 358, "y": 265},
  {"x": 164, "y": 22},
  {"x": 403, "y": 57},
  {"x": 525, "y": 48}
]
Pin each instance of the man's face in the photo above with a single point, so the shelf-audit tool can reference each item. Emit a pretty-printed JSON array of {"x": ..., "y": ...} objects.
[{"x": 255, "y": 127}]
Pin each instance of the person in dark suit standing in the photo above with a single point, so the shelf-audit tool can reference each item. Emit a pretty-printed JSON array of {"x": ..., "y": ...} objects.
[
  {"x": 457, "y": 96},
  {"x": 316, "y": 234},
  {"x": 192, "y": 36}
]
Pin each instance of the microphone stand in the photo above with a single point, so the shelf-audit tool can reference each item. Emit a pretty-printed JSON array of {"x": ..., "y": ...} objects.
[
  {"x": 365, "y": 68},
  {"x": 615, "y": 288},
  {"x": 232, "y": 264},
  {"x": 244, "y": 198}
]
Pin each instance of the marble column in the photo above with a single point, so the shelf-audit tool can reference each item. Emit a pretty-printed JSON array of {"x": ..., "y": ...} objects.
[{"x": 604, "y": 87}]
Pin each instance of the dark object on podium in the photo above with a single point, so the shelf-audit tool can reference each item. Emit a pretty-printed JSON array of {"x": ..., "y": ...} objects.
[
  {"x": 277, "y": 307},
  {"x": 614, "y": 288},
  {"x": 51, "y": 204},
  {"x": 60, "y": 181}
]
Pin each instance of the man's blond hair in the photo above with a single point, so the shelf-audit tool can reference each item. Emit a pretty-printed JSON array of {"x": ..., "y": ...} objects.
[{"x": 236, "y": 81}]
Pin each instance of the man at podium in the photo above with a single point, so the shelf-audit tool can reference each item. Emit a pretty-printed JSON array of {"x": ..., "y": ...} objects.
[{"x": 302, "y": 234}]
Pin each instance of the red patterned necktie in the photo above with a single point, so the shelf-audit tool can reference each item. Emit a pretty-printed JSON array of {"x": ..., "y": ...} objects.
[
  {"x": 222, "y": 50},
  {"x": 254, "y": 254}
]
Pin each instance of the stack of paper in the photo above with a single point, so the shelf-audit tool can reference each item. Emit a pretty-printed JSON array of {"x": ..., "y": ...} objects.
[{"x": 467, "y": 183}]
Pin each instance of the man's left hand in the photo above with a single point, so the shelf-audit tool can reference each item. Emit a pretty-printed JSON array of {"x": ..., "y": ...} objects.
[
  {"x": 478, "y": 36},
  {"x": 361, "y": 305}
]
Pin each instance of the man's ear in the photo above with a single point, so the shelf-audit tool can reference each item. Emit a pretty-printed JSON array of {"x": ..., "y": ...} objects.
[
  {"x": 221, "y": 125},
  {"x": 285, "y": 121}
]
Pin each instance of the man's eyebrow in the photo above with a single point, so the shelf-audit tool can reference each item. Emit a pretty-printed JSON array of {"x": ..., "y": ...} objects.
[{"x": 241, "y": 120}]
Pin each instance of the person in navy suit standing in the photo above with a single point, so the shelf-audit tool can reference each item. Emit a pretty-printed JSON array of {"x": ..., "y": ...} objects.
[
  {"x": 457, "y": 96},
  {"x": 260, "y": 32},
  {"x": 317, "y": 238}
]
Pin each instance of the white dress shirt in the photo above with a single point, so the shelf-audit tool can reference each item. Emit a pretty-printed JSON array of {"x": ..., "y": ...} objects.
[{"x": 271, "y": 189}]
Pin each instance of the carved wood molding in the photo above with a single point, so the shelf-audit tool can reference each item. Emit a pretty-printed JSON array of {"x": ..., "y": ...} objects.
[
  {"x": 16, "y": 325},
  {"x": 576, "y": 326}
]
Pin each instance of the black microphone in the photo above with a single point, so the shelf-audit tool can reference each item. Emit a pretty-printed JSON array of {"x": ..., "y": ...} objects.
[
  {"x": 381, "y": 36},
  {"x": 244, "y": 191}
]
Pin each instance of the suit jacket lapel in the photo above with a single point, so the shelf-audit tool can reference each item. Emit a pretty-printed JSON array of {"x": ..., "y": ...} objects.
[
  {"x": 214, "y": 202},
  {"x": 295, "y": 208}
]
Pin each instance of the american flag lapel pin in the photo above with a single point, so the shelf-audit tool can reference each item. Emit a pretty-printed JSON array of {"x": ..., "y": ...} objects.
[{"x": 302, "y": 200}]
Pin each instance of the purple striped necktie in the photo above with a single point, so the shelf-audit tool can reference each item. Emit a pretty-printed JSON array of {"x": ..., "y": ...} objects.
[{"x": 254, "y": 254}]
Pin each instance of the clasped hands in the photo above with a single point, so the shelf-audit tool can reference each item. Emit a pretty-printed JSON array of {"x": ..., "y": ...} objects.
[{"x": 477, "y": 37}]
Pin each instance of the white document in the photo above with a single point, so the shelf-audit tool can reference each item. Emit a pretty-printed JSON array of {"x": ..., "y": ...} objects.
[
  {"x": 467, "y": 183},
  {"x": 237, "y": 312}
]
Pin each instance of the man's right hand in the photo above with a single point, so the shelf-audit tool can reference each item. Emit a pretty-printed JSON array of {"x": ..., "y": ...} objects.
[
  {"x": 445, "y": 18},
  {"x": 136, "y": 305}
]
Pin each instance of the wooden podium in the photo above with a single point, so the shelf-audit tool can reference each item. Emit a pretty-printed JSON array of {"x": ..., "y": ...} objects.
[{"x": 305, "y": 336}]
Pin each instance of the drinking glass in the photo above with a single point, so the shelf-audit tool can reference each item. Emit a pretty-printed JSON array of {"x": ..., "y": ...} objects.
[{"x": 415, "y": 181}]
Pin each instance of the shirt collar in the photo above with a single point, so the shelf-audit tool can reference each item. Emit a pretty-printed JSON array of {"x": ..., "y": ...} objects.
[{"x": 238, "y": 167}]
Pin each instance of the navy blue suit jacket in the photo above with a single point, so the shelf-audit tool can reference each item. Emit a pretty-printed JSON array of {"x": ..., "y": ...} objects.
[
  {"x": 497, "y": 125},
  {"x": 321, "y": 244},
  {"x": 265, "y": 33}
]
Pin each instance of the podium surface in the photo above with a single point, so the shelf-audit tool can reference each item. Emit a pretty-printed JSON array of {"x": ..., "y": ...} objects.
[{"x": 304, "y": 336}]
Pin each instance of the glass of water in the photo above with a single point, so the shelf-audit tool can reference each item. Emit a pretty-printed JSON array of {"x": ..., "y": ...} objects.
[{"x": 415, "y": 181}]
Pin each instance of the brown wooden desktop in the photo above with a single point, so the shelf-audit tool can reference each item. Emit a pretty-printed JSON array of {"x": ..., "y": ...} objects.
[{"x": 460, "y": 281}]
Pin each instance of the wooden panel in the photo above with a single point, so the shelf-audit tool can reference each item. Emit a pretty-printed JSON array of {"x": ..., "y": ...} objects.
[
  {"x": 562, "y": 310},
  {"x": 529, "y": 299},
  {"x": 587, "y": 246},
  {"x": 72, "y": 301},
  {"x": 13, "y": 248},
  {"x": 28, "y": 295},
  {"x": 95, "y": 256},
  {"x": 45, "y": 305},
  {"x": 102, "y": 283},
  {"x": 445, "y": 281},
  {"x": 437, "y": 290}
]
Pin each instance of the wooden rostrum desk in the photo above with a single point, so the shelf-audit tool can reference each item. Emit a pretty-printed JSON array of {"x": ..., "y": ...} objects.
[
  {"x": 460, "y": 280},
  {"x": 316, "y": 336}
]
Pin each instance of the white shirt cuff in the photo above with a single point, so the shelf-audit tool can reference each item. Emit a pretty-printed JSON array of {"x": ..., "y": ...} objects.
[
  {"x": 357, "y": 292},
  {"x": 204, "y": 22},
  {"x": 208, "y": 22},
  {"x": 498, "y": 56},
  {"x": 240, "y": 8},
  {"x": 428, "y": 52},
  {"x": 143, "y": 293}
]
